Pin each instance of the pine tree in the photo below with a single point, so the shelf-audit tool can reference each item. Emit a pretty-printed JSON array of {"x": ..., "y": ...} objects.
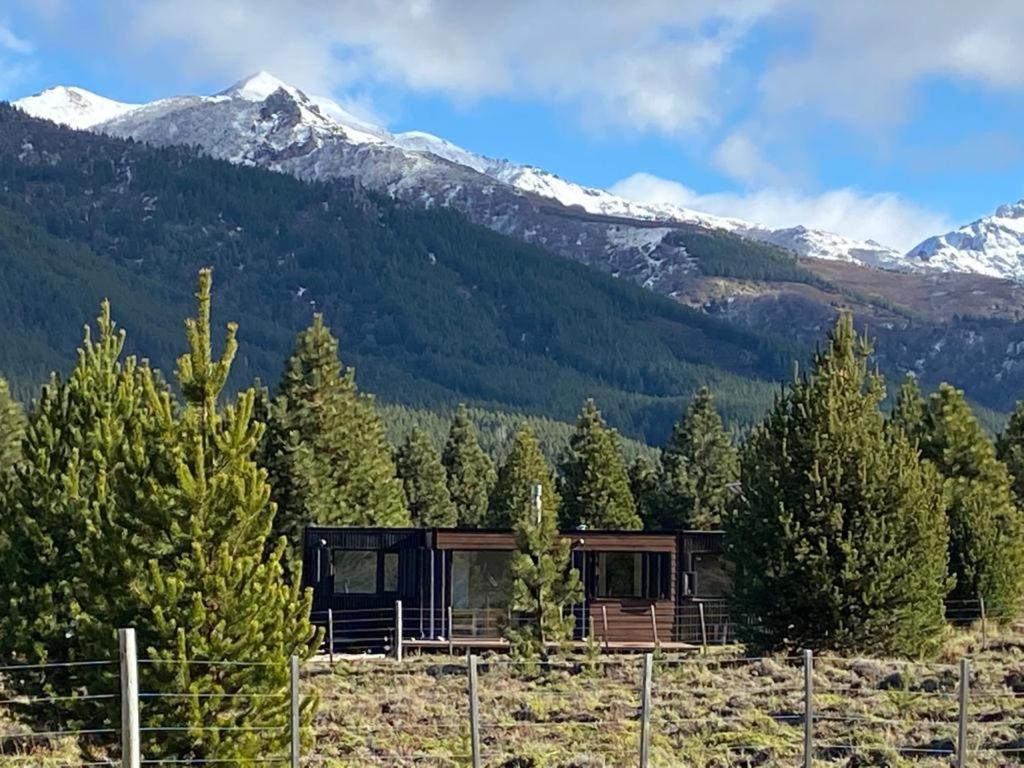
[
  {"x": 327, "y": 451},
  {"x": 1010, "y": 450},
  {"x": 81, "y": 518},
  {"x": 839, "y": 537},
  {"x": 699, "y": 466},
  {"x": 221, "y": 599},
  {"x": 986, "y": 552},
  {"x": 470, "y": 472},
  {"x": 908, "y": 409},
  {"x": 645, "y": 486},
  {"x": 545, "y": 586},
  {"x": 12, "y": 429},
  {"x": 595, "y": 484},
  {"x": 524, "y": 467},
  {"x": 423, "y": 477},
  {"x": 130, "y": 511}
]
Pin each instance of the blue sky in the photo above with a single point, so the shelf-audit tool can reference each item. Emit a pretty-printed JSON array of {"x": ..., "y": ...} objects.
[{"x": 873, "y": 119}]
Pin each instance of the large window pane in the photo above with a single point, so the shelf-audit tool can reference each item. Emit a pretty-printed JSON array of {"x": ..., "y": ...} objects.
[
  {"x": 481, "y": 579},
  {"x": 355, "y": 572},
  {"x": 390, "y": 571},
  {"x": 620, "y": 574}
]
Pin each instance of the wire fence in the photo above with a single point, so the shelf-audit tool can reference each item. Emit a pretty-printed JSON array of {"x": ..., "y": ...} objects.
[{"x": 656, "y": 710}]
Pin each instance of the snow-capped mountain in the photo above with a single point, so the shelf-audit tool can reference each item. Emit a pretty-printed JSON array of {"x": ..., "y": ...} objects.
[
  {"x": 993, "y": 246},
  {"x": 73, "y": 107},
  {"x": 263, "y": 121}
]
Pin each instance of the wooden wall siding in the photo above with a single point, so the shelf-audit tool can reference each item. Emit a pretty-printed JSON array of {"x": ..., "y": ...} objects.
[
  {"x": 475, "y": 540},
  {"x": 587, "y": 541},
  {"x": 629, "y": 620}
]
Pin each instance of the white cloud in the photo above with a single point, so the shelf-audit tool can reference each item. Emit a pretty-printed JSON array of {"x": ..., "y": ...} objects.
[
  {"x": 741, "y": 159},
  {"x": 884, "y": 217},
  {"x": 13, "y": 43},
  {"x": 866, "y": 59},
  {"x": 646, "y": 65}
]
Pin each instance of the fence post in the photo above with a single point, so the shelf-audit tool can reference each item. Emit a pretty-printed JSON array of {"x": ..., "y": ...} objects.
[
  {"x": 330, "y": 634},
  {"x": 808, "y": 708},
  {"x": 604, "y": 622},
  {"x": 645, "y": 712},
  {"x": 654, "y": 627},
  {"x": 398, "y": 630},
  {"x": 984, "y": 623},
  {"x": 131, "y": 756},
  {"x": 961, "y": 739},
  {"x": 451, "y": 633},
  {"x": 703, "y": 628},
  {"x": 296, "y": 751},
  {"x": 474, "y": 713}
]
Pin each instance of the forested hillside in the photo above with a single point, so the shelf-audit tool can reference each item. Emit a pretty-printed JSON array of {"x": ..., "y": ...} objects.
[{"x": 430, "y": 308}]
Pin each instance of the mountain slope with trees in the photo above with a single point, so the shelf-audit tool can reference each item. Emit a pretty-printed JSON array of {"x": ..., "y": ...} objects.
[{"x": 430, "y": 308}]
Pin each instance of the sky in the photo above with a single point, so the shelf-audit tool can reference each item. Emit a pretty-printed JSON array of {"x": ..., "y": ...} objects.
[{"x": 884, "y": 120}]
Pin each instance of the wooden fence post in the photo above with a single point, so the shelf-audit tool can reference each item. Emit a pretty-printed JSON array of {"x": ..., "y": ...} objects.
[
  {"x": 451, "y": 632},
  {"x": 645, "y": 712},
  {"x": 296, "y": 725},
  {"x": 330, "y": 634},
  {"x": 131, "y": 756},
  {"x": 398, "y": 630},
  {"x": 703, "y": 628},
  {"x": 654, "y": 627},
  {"x": 474, "y": 713},
  {"x": 984, "y": 623},
  {"x": 961, "y": 739},
  {"x": 808, "y": 708},
  {"x": 604, "y": 621}
]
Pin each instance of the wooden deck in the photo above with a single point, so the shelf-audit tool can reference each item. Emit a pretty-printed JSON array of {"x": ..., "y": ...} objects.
[{"x": 500, "y": 644}]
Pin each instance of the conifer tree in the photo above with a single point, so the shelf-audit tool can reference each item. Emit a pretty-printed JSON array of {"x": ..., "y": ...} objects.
[
  {"x": 908, "y": 409},
  {"x": 220, "y": 599},
  {"x": 545, "y": 586},
  {"x": 422, "y": 474},
  {"x": 128, "y": 511},
  {"x": 327, "y": 451},
  {"x": 469, "y": 470},
  {"x": 1010, "y": 450},
  {"x": 12, "y": 429},
  {"x": 595, "y": 484},
  {"x": 839, "y": 537},
  {"x": 524, "y": 467},
  {"x": 699, "y": 465},
  {"x": 986, "y": 552},
  {"x": 645, "y": 486}
]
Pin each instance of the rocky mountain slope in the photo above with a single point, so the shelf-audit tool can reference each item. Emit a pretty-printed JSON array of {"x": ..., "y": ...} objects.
[
  {"x": 992, "y": 245},
  {"x": 265, "y": 122}
]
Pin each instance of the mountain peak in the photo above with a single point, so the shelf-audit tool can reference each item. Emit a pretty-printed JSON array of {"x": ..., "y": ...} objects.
[
  {"x": 257, "y": 87},
  {"x": 1011, "y": 210},
  {"x": 72, "y": 106}
]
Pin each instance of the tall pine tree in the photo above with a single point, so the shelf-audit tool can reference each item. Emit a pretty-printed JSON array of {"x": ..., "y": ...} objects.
[
  {"x": 545, "y": 586},
  {"x": 699, "y": 466},
  {"x": 595, "y": 484},
  {"x": 644, "y": 477},
  {"x": 470, "y": 472},
  {"x": 524, "y": 467},
  {"x": 326, "y": 449},
  {"x": 839, "y": 537},
  {"x": 423, "y": 477},
  {"x": 908, "y": 409},
  {"x": 986, "y": 546},
  {"x": 12, "y": 429},
  {"x": 221, "y": 599},
  {"x": 1010, "y": 450}
]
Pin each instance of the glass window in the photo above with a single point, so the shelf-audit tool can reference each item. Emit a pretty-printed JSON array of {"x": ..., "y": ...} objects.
[
  {"x": 481, "y": 579},
  {"x": 390, "y": 571},
  {"x": 620, "y": 574},
  {"x": 355, "y": 572}
]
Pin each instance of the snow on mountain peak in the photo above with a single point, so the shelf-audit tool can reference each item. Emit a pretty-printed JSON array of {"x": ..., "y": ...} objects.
[
  {"x": 73, "y": 107},
  {"x": 257, "y": 87},
  {"x": 992, "y": 245}
]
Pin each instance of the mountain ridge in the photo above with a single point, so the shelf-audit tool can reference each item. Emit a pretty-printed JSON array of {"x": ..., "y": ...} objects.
[{"x": 291, "y": 125}]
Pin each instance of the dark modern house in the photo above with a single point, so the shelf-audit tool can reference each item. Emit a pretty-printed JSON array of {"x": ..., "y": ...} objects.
[{"x": 641, "y": 589}]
